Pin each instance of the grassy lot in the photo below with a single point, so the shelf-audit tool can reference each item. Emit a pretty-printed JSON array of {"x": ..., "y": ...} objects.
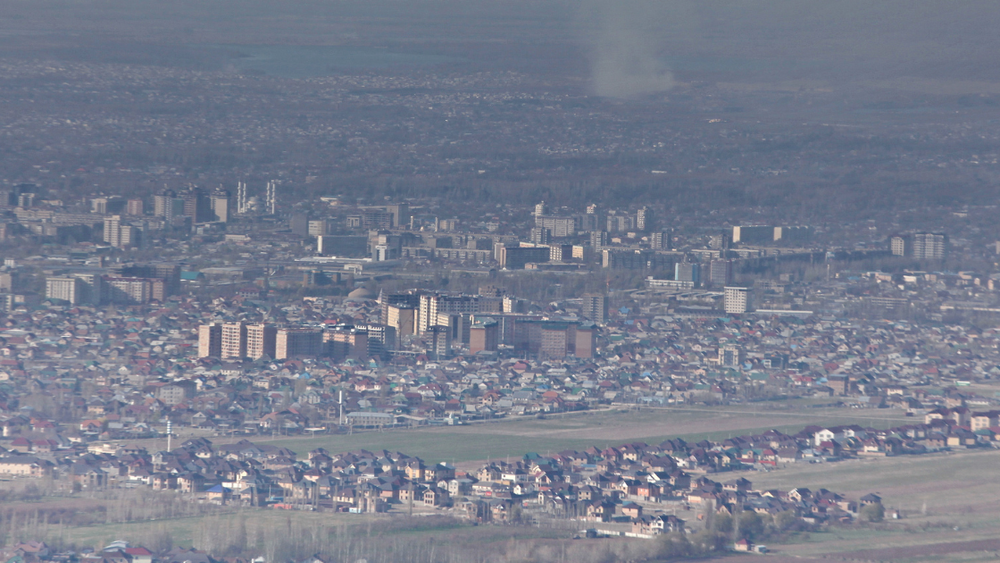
[
  {"x": 516, "y": 437},
  {"x": 943, "y": 498}
]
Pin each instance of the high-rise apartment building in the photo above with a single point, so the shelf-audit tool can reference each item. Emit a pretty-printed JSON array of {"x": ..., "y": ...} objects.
[
  {"x": 261, "y": 341},
  {"x": 595, "y": 307},
  {"x": 541, "y": 235},
  {"x": 484, "y": 336},
  {"x": 234, "y": 341},
  {"x": 134, "y": 207},
  {"x": 433, "y": 305},
  {"x": 585, "y": 341},
  {"x": 127, "y": 290},
  {"x": 736, "y": 300},
  {"x": 64, "y": 288},
  {"x": 347, "y": 342},
  {"x": 439, "y": 342},
  {"x": 644, "y": 219},
  {"x": 687, "y": 271},
  {"x": 898, "y": 246},
  {"x": 112, "y": 230},
  {"x": 720, "y": 273},
  {"x": 930, "y": 246},
  {"x": 210, "y": 340},
  {"x": 298, "y": 343}
]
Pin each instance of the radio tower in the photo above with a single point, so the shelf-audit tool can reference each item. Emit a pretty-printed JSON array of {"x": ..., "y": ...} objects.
[{"x": 272, "y": 188}]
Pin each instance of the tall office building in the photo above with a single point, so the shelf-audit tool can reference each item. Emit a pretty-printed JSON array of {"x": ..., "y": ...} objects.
[
  {"x": 736, "y": 300},
  {"x": 234, "y": 341},
  {"x": 595, "y": 307},
  {"x": 210, "y": 340},
  {"x": 261, "y": 341}
]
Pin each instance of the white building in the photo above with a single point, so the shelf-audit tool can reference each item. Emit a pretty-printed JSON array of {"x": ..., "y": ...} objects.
[{"x": 736, "y": 300}]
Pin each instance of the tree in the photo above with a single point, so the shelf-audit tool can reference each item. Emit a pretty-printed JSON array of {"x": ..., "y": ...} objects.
[
  {"x": 785, "y": 520},
  {"x": 872, "y": 512},
  {"x": 751, "y": 525}
]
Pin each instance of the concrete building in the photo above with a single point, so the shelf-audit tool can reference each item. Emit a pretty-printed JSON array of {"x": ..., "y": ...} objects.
[
  {"x": 438, "y": 342},
  {"x": 220, "y": 207},
  {"x": 318, "y": 227},
  {"x": 342, "y": 246},
  {"x": 382, "y": 339},
  {"x": 595, "y": 307},
  {"x": 210, "y": 340},
  {"x": 298, "y": 343},
  {"x": 558, "y": 340},
  {"x": 585, "y": 341},
  {"x": 68, "y": 289},
  {"x": 660, "y": 240},
  {"x": 515, "y": 258},
  {"x": 644, "y": 219},
  {"x": 234, "y": 341},
  {"x": 930, "y": 246},
  {"x": 898, "y": 245},
  {"x": 134, "y": 207},
  {"x": 127, "y": 290},
  {"x": 731, "y": 357},
  {"x": 753, "y": 234},
  {"x": 346, "y": 342},
  {"x": 112, "y": 230},
  {"x": 484, "y": 336},
  {"x": 261, "y": 341},
  {"x": 688, "y": 272},
  {"x": 736, "y": 300},
  {"x": 720, "y": 273}
]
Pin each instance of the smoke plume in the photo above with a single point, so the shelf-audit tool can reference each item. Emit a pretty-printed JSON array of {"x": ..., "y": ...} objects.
[{"x": 625, "y": 42}]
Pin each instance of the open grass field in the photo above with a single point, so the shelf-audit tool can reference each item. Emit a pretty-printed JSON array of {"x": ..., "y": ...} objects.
[
  {"x": 515, "y": 437},
  {"x": 948, "y": 503}
]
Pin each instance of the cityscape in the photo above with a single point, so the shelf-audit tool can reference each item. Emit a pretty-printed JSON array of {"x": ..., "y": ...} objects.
[{"x": 526, "y": 282}]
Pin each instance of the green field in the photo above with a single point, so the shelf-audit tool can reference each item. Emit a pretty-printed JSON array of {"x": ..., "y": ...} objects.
[{"x": 516, "y": 437}]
